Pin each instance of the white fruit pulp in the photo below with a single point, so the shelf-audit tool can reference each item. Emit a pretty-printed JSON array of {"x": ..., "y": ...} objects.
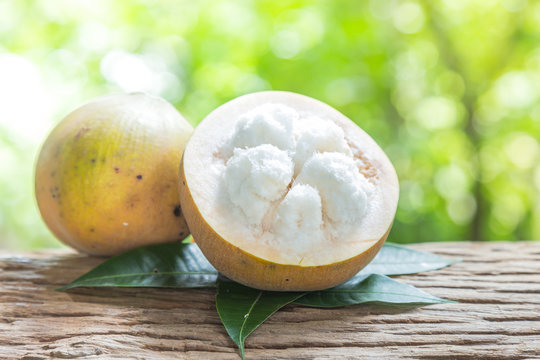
[{"x": 294, "y": 179}]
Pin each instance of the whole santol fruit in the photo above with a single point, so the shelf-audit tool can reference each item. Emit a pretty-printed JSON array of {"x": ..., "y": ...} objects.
[
  {"x": 106, "y": 177},
  {"x": 282, "y": 192}
]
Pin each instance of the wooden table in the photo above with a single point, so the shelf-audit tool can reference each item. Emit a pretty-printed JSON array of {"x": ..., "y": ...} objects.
[{"x": 497, "y": 317}]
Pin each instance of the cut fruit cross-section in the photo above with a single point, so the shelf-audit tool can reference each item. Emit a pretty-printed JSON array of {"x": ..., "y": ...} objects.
[{"x": 282, "y": 192}]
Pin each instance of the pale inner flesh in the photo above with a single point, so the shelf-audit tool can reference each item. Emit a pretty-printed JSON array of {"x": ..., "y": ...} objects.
[{"x": 292, "y": 185}]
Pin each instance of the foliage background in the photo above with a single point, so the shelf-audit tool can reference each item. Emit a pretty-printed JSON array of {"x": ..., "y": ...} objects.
[{"x": 449, "y": 88}]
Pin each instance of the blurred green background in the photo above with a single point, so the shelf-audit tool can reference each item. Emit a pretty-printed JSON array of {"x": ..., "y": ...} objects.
[{"x": 450, "y": 89}]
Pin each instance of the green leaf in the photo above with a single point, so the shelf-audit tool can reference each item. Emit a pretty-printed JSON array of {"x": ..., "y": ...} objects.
[
  {"x": 369, "y": 288},
  {"x": 165, "y": 265},
  {"x": 183, "y": 265},
  {"x": 242, "y": 309},
  {"x": 398, "y": 260}
]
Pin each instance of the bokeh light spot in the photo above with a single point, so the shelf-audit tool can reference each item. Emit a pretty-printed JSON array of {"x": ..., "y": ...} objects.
[
  {"x": 516, "y": 90},
  {"x": 451, "y": 181},
  {"x": 408, "y": 17},
  {"x": 436, "y": 113},
  {"x": 285, "y": 44},
  {"x": 461, "y": 209},
  {"x": 341, "y": 91},
  {"x": 522, "y": 150},
  {"x": 94, "y": 36},
  {"x": 508, "y": 211},
  {"x": 135, "y": 72},
  {"x": 382, "y": 9},
  {"x": 25, "y": 103}
]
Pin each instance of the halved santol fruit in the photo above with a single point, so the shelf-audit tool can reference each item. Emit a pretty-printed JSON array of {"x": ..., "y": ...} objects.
[
  {"x": 282, "y": 192},
  {"x": 107, "y": 175}
]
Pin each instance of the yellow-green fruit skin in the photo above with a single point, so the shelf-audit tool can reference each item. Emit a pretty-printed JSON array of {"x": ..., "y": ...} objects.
[
  {"x": 259, "y": 273},
  {"x": 106, "y": 177}
]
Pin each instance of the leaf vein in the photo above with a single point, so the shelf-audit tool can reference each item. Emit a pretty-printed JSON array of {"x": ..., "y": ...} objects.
[{"x": 246, "y": 316}]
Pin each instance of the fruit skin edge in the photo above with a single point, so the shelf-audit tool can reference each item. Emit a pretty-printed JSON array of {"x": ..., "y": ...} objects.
[{"x": 259, "y": 273}]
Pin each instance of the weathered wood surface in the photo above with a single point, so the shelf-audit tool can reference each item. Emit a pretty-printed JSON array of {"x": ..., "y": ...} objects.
[{"x": 498, "y": 317}]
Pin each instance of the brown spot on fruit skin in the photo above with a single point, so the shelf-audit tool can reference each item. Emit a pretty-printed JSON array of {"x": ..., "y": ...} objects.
[
  {"x": 93, "y": 161},
  {"x": 81, "y": 132},
  {"x": 116, "y": 170},
  {"x": 177, "y": 211},
  {"x": 55, "y": 192},
  {"x": 92, "y": 230},
  {"x": 139, "y": 177}
]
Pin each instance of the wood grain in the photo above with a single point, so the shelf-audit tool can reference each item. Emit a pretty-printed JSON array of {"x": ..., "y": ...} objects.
[{"x": 497, "y": 317}]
